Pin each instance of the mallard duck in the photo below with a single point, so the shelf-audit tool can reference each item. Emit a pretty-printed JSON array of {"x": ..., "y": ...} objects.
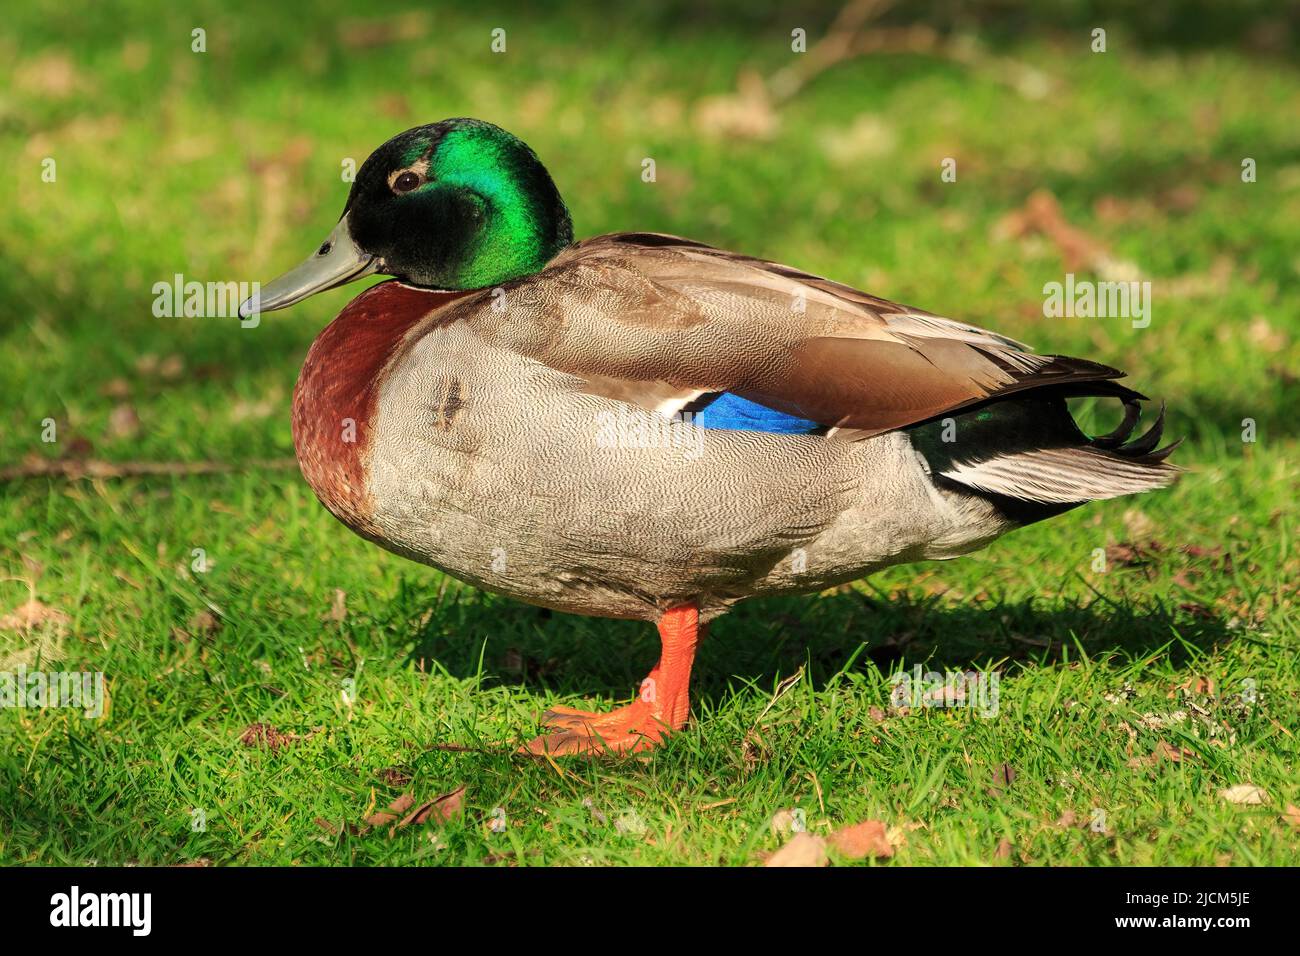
[{"x": 642, "y": 426}]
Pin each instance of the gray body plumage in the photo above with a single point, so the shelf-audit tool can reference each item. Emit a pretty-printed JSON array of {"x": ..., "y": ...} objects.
[
  {"x": 529, "y": 441},
  {"x": 568, "y": 500}
]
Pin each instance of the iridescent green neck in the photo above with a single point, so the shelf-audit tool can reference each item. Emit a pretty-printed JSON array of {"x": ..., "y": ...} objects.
[{"x": 517, "y": 236}]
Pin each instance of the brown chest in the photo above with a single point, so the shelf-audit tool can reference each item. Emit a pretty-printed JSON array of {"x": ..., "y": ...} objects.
[{"x": 335, "y": 401}]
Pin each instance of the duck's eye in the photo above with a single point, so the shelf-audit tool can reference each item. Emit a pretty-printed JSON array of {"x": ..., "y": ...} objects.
[{"x": 406, "y": 182}]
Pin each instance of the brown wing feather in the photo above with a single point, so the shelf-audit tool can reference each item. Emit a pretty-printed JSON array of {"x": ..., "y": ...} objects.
[{"x": 655, "y": 320}]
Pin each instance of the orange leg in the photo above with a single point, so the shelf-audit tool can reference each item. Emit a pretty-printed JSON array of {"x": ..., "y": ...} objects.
[{"x": 662, "y": 704}]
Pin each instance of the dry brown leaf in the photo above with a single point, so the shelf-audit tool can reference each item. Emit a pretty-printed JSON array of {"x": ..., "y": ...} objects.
[
  {"x": 1292, "y": 815},
  {"x": 118, "y": 388},
  {"x": 359, "y": 34},
  {"x": 1194, "y": 687},
  {"x": 338, "y": 612},
  {"x": 1042, "y": 215},
  {"x": 204, "y": 622},
  {"x": 31, "y": 615},
  {"x": 1171, "y": 753},
  {"x": 869, "y": 136},
  {"x": 123, "y": 421},
  {"x": 395, "y": 776},
  {"x": 267, "y": 737},
  {"x": 866, "y": 839},
  {"x": 1198, "y": 610},
  {"x": 718, "y": 803},
  {"x": 334, "y": 829},
  {"x": 438, "y": 810},
  {"x": 1244, "y": 793},
  {"x": 785, "y": 823},
  {"x": 53, "y": 75},
  {"x": 745, "y": 114},
  {"x": 1138, "y": 524},
  {"x": 394, "y": 105},
  {"x": 804, "y": 849},
  {"x": 394, "y": 812},
  {"x": 1129, "y": 554},
  {"x": 1003, "y": 776},
  {"x": 1003, "y": 851},
  {"x": 171, "y": 367}
]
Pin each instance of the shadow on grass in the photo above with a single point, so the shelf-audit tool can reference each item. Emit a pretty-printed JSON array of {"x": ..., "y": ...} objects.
[{"x": 765, "y": 639}]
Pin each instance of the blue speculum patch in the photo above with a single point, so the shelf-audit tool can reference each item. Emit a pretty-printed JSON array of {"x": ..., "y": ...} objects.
[{"x": 732, "y": 412}]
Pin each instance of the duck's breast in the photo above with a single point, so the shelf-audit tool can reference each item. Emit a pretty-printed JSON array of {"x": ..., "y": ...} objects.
[{"x": 335, "y": 402}]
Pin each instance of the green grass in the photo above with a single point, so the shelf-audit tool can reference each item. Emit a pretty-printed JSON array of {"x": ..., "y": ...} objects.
[{"x": 226, "y": 165}]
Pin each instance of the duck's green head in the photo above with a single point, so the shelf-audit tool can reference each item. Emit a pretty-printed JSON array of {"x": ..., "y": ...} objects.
[{"x": 460, "y": 204}]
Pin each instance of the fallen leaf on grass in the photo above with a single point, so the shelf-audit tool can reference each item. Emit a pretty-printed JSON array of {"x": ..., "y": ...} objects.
[
  {"x": 203, "y": 624},
  {"x": 123, "y": 421},
  {"x": 171, "y": 367},
  {"x": 785, "y": 823},
  {"x": 1244, "y": 793},
  {"x": 359, "y": 34},
  {"x": 1133, "y": 554},
  {"x": 267, "y": 736},
  {"x": 31, "y": 615},
  {"x": 394, "y": 812},
  {"x": 745, "y": 114},
  {"x": 439, "y": 809},
  {"x": 717, "y": 803},
  {"x": 1169, "y": 752},
  {"x": 118, "y": 388},
  {"x": 1138, "y": 524},
  {"x": 1194, "y": 687},
  {"x": 804, "y": 849},
  {"x": 866, "y": 839},
  {"x": 1164, "y": 751},
  {"x": 1292, "y": 815},
  {"x": 338, "y": 612},
  {"x": 79, "y": 448},
  {"x": 334, "y": 829},
  {"x": 1003, "y": 851},
  {"x": 51, "y": 75},
  {"x": 395, "y": 776},
  {"x": 1198, "y": 610},
  {"x": 1003, "y": 776},
  {"x": 404, "y": 811},
  {"x": 1042, "y": 215}
]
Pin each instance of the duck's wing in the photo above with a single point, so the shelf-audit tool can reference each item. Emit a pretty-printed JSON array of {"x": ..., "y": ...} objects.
[{"x": 659, "y": 321}]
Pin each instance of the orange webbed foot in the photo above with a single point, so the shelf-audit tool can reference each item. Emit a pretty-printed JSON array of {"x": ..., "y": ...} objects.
[
  {"x": 629, "y": 729},
  {"x": 662, "y": 706}
]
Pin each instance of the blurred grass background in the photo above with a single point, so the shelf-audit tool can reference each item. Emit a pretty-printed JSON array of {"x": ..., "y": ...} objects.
[{"x": 225, "y": 165}]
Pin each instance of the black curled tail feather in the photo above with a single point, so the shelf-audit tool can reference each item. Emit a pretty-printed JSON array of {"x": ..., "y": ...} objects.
[
  {"x": 1140, "y": 449},
  {"x": 1026, "y": 455}
]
